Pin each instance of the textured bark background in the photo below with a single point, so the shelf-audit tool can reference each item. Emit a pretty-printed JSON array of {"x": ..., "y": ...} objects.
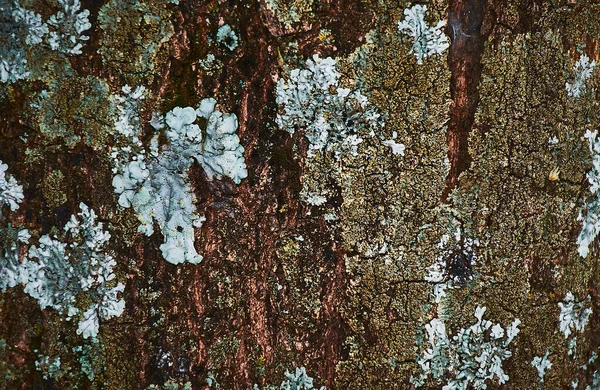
[{"x": 349, "y": 299}]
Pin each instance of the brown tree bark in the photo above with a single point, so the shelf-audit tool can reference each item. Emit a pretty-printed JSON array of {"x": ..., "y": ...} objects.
[{"x": 281, "y": 285}]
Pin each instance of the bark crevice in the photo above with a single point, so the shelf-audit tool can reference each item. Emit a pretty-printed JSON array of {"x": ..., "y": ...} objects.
[{"x": 465, "y": 21}]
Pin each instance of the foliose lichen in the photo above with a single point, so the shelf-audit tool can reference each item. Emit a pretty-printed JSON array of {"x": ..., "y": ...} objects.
[
  {"x": 227, "y": 37},
  {"x": 11, "y": 192},
  {"x": 67, "y": 27},
  {"x": 590, "y": 212},
  {"x": 542, "y": 364},
  {"x": 574, "y": 317},
  {"x": 22, "y": 29},
  {"x": 57, "y": 272},
  {"x": 330, "y": 116},
  {"x": 155, "y": 183},
  {"x": 583, "y": 70},
  {"x": 295, "y": 380},
  {"x": 427, "y": 40},
  {"x": 468, "y": 359}
]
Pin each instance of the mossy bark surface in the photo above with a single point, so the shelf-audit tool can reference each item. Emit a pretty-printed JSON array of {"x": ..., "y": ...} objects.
[{"x": 282, "y": 284}]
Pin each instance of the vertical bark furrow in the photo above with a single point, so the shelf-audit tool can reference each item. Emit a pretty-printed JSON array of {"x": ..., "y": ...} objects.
[{"x": 465, "y": 20}]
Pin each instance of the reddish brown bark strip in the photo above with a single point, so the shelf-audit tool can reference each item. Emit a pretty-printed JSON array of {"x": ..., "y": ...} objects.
[{"x": 465, "y": 19}]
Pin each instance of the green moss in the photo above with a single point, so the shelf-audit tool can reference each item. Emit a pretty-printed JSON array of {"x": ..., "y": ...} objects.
[
  {"x": 290, "y": 13},
  {"x": 134, "y": 34},
  {"x": 54, "y": 189},
  {"x": 77, "y": 109}
]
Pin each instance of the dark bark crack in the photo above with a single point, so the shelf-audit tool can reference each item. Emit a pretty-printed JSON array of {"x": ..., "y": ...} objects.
[{"x": 465, "y": 21}]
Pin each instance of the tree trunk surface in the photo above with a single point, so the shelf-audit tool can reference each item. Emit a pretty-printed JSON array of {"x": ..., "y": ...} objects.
[{"x": 339, "y": 287}]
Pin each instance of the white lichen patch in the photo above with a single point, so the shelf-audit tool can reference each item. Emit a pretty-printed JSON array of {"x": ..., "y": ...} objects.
[
  {"x": 583, "y": 70},
  {"x": 312, "y": 198},
  {"x": 222, "y": 154},
  {"x": 127, "y": 105},
  {"x": 11, "y": 192},
  {"x": 67, "y": 27},
  {"x": 573, "y": 318},
  {"x": 552, "y": 141},
  {"x": 468, "y": 359},
  {"x": 227, "y": 37},
  {"x": 58, "y": 271},
  {"x": 590, "y": 213},
  {"x": 155, "y": 183},
  {"x": 427, "y": 40},
  {"x": 397, "y": 148},
  {"x": 542, "y": 364},
  {"x": 159, "y": 191},
  {"x": 295, "y": 380},
  {"x": 330, "y": 117}
]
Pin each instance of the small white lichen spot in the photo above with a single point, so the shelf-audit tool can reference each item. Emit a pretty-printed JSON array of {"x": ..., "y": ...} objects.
[
  {"x": 312, "y": 199},
  {"x": 583, "y": 70},
  {"x": 227, "y": 37},
  {"x": 590, "y": 212},
  {"x": 11, "y": 193},
  {"x": 574, "y": 315},
  {"x": 392, "y": 144},
  {"x": 542, "y": 364},
  {"x": 427, "y": 40}
]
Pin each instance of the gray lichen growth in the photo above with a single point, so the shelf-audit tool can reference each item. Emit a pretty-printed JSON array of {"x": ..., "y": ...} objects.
[
  {"x": 427, "y": 40},
  {"x": 156, "y": 183},
  {"x": 227, "y": 37},
  {"x": 62, "y": 271}
]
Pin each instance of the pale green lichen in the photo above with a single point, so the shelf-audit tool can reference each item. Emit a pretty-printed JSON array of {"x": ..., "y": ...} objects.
[
  {"x": 57, "y": 272},
  {"x": 156, "y": 183},
  {"x": 470, "y": 359},
  {"x": 389, "y": 217},
  {"x": 290, "y": 12},
  {"x": 54, "y": 189}
]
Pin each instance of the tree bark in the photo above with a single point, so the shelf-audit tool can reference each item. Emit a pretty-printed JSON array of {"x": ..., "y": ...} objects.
[{"x": 281, "y": 284}]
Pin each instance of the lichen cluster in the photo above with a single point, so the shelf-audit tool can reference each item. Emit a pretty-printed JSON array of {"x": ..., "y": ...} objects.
[{"x": 319, "y": 195}]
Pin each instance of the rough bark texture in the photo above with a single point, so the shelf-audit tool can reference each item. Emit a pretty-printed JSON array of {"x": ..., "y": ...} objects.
[{"x": 280, "y": 285}]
